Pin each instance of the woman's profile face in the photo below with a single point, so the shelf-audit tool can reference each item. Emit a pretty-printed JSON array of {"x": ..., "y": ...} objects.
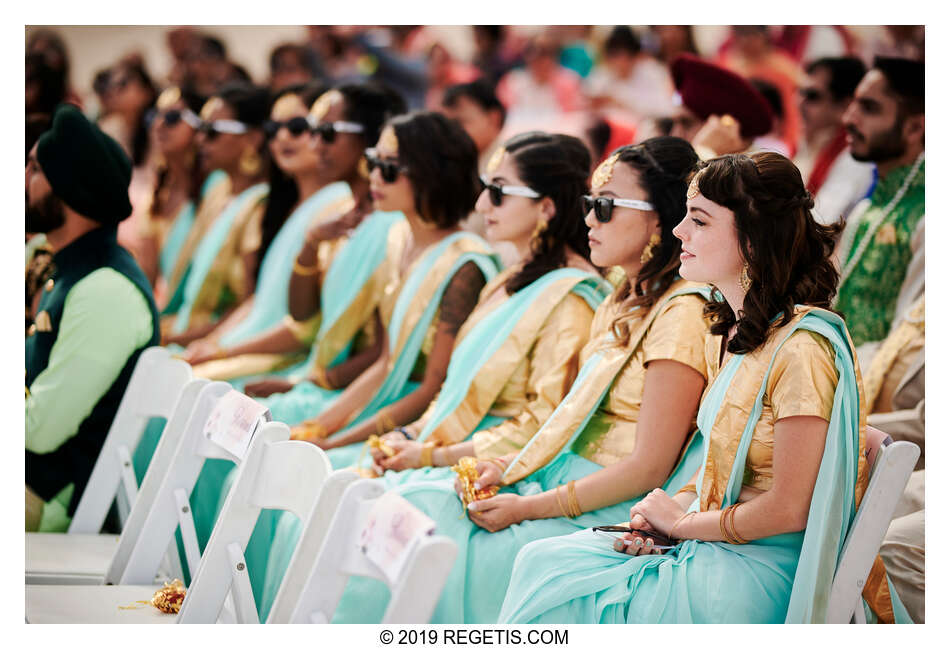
[
  {"x": 221, "y": 150},
  {"x": 396, "y": 195},
  {"x": 172, "y": 139},
  {"x": 338, "y": 159},
  {"x": 292, "y": 153},
  {"x": 517, "y": 217},
  {"x": 621, "y": 241},
  {"x": 710, "y": 243}
]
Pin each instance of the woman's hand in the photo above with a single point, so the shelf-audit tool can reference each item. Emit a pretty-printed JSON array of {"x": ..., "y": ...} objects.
[
  {"x": 408, "y": 454},
  {"x": 313, "y": 431},
  {"x": 334, "y": 229},
  {"x": 267, "y": 387},
  {"x": 489, "y": 475},
  {"x": 657, "y": 511},
  {"x": 201, "y": 351},
  {"x": 498, "y": 512}
]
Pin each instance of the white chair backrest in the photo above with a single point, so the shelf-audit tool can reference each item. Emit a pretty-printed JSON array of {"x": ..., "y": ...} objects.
[
  {"x": 308, "y": 547},
  {"x": 157, "y": 468},
  {"x": 891, "y": 470},
  {"x": 162, "y": 517},
  {"x": 277, "y": 474},
  {"x": 152, "y": 391},
  {"x": 413, "y": 597}
]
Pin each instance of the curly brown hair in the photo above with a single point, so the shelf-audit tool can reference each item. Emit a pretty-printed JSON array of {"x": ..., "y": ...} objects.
[{"x": 787, "y": 252}]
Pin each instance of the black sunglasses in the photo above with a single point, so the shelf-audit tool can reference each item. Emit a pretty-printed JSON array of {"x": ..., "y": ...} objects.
[
  {"x": 603, "y": 206},
  {"x": 328, "y": 130},
  {"x": 497, "y": 193},
  {"x": 296, "y": 126},
  {"x": 388, "y": 169},
  {"x": 175, "y": 116}
]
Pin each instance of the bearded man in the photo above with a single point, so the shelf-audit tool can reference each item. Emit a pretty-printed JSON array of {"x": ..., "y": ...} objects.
[{"x": 95, "y": 316}]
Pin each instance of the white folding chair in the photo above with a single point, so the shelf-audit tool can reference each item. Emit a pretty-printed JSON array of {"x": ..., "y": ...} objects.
[
  {"x": 417, "y": 589},
  {"x": 308, "y": 547},
  {"x": 152, "y": 391},
  {"x": 137, "y": 560},
  {"x": 891, "y": 468},
  {"x": 276, "y": 474},
  {"x": 89, "y": 558}
]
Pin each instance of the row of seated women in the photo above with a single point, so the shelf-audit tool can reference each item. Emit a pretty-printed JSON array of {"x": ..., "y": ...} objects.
[{"x": 707, "y": 395}]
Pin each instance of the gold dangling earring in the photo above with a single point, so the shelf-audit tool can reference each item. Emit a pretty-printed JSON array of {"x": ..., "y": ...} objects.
[
  {"x": 538, "y": 231},
  {"x": 745, "y": 282},
  {"x": 250, "y": 162},
  {"x": 647, "y": 253},
  {"x": 363, "y": 168}
]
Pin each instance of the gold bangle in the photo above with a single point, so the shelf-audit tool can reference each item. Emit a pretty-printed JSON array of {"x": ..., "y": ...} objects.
[
  {"x": 320, "y": 379},
  {"x": 727, "y": 534},
  {"x": 572, "y": 504},
  {"x": 384, "y": 423},
  {"x": 722, "y": 525},
  {"x": 731, "y": 523},
  {"x": 557, "y": 495},
  {"x": 690, "y": 488},
  {"x": 497, "y": 461},
  {"x": 678, "y": 521},
  {"x": 425, "y": 456},
  {"x": 306, "y": 271}
]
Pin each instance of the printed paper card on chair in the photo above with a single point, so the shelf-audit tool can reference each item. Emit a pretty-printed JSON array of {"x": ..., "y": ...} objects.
[
  {"x": 233, "y": 422},
  {"x": 392, "y": 530}
]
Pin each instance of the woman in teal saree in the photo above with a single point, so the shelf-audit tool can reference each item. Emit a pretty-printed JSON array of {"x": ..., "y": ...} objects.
[
  {"x": 761, "y": 523},
  {"x": 626, "y": 424}
]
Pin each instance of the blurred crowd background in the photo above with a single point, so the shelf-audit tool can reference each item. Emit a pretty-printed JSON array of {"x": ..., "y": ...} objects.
[{"x": 610, "y": 85}]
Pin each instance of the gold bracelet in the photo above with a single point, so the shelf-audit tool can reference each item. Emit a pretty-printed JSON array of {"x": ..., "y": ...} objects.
[
  {"x": 572, "y": 504},
  {"x": 320, "y": 379},
  {"x": 678, "y": 521},
  {"x": 306, "y": 271},
  {"x": 690, "y": 488},
  {"x": 731, "y": 523},
  {"x": 384, "y": 423},
  {"x": 557, "y": 495},
  {"x": 724, "y": 528},
  {"x": 425, "y": 457},
  {"x": 497, "y": 461},
  {"x": 722, "y": 525}
]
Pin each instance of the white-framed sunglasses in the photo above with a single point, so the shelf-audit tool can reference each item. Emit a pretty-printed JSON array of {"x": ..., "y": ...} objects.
[
  {"x": 496, "y": 193},
  {"x": 216, "y": 126},
  {"x": 603, "y": 206}
]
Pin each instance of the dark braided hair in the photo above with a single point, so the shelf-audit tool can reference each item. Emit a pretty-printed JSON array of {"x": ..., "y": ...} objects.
[
  {"x": 788, "y": 253},
  {"x": 555, "y": 166},
  {"x": 664, "y": 165}
]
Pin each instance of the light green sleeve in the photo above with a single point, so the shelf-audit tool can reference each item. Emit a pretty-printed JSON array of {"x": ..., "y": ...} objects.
[{"x": 105, "y": 319}]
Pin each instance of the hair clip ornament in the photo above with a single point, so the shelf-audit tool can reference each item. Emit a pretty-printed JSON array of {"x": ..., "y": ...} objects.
[
  {"x": 603, "y": 172},
  {"x": 323, "y": 103},
  {"x": 495, "y": 161}
]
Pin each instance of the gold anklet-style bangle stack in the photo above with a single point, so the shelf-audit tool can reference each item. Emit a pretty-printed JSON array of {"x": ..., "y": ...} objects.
[
  {"x": 572, "y": 504},
  {"x": 727, "y": 526}
]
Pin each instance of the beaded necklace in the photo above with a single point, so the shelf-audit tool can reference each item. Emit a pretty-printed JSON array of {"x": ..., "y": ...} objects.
[{"x": 853, "y": 224}]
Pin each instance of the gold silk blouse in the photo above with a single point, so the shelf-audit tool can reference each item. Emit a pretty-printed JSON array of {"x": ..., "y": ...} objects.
[
  {"x": 538, "y": 383},
  {"x": 802, "y": 383},
  {"x": 211, "y": 205},
  {"x": 227, "y": 279},
  {"x": 679, "y": 334}
]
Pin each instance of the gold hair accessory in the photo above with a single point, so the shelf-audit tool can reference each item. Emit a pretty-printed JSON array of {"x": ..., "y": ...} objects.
[
  {"x": 647, "y": 253},
  {"x": 287, "y": 106},
  {"x": 468, "y": 475},
  {"x": 693, "y": 190},
  {"x": 495, "y": 161},
  {"x": 323, "y": 104},
  {"x": 250, "y": 162},
  {"x": 167, "y": 599},
  {"x": 727, "y": 120},
  {"x": 604, "y": 171},
  {"x": 745, "y": 282},
  {"x": 168, "y": 97},
  {"x": 389, "y": 141},
  {"x": 211, "y": 106}
]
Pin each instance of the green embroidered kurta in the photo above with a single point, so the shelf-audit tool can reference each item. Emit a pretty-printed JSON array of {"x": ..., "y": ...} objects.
[{"x": 868, "y": 296}]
